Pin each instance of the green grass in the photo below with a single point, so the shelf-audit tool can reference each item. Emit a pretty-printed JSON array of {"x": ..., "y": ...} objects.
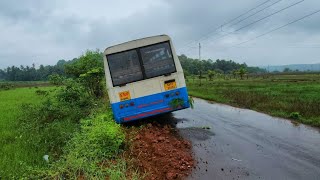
[
  {"x": 15, "y": 156},
  {"x": 90, "y": 147},
  {"x": 290, "y": 96},
  {"x": 92, "y": 153}
]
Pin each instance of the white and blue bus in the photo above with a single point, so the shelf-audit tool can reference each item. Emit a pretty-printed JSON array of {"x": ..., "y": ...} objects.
[{"x": 144, "y": 77}]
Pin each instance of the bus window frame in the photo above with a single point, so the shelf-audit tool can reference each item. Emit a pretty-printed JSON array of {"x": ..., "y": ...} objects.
[{"x": 141, "y": 63}]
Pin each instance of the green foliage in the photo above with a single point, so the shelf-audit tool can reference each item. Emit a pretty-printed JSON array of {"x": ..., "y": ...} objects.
[
  {"x": 41, "y": 92},
  {"x": 194, "y": 66},
  {"x": 89, "y": 70},
  {"x": 16, "y": 154},
  {"x": 51, "y": 123},
  {"x": 287, "y": 70},
  {"x": 191, "y": 102},
  {"x": 56, "y": 79},
  {"x": 295, "y": 115},
  {"x": 242, "y": 71},
  {"x": 27, "y": 73},
  {"x": 279, "y": 96},
  {"x": 211, "y": 74},
  {"x": 74, "y": 95},
  {"x": 85, "y": 63},
  {"x": 93, "y": 81},
  {"x": 90, "y": 152},
  {"x": 176, "y": 103},
  {"x": 6, "y": 86},
  {"x": 235, "y": 73}
]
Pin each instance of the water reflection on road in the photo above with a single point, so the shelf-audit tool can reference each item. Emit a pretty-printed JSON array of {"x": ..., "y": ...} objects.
[{"x": 234, "y": 143}]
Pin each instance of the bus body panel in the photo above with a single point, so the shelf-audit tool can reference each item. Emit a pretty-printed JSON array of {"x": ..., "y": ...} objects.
[
  {"x": 149, "y": 105},
  {"x": 145, "y": 91}
]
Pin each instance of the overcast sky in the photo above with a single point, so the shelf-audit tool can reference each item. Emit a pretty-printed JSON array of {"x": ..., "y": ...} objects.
[{"x": 42, "y": 32}]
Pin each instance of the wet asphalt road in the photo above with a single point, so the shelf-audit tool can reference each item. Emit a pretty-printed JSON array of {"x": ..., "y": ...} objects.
[{"x": 233, "y": 143}]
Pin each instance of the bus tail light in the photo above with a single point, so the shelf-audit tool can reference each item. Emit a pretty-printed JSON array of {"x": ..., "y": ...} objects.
[
  {"x": 131, "y": 103},
  {"x": 121, "y": 106}
]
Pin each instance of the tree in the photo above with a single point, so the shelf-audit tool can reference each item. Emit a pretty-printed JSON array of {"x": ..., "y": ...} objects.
[
  {"x": 242, "y": 72},
  {"x": 287, "y": 70},
  {"x": 88, "y": 68},
  {"x": 211, "y": 74},
  {"x": 85, "y": 63},
  {"x": 234, "y": 73}
]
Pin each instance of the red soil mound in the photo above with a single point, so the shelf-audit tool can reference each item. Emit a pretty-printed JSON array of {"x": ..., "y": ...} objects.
[{"x": 161, "y": 154}]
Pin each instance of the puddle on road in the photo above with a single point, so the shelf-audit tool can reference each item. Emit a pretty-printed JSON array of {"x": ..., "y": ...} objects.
[{"x": 196, "y": 133}]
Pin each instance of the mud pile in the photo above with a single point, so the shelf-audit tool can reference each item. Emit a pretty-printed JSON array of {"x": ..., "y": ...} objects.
[{"x": 160, "y": 153}]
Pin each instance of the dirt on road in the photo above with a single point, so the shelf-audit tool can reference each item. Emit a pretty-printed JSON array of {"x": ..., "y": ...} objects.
[{"x": 160, "y": 153}]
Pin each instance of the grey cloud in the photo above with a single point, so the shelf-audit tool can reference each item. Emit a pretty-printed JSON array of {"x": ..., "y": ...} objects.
[{"x": 46, "y": 31}]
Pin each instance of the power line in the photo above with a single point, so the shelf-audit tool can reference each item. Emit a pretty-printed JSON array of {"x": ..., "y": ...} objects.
[
  {"x": 256, "y": 13},
  {"x": 265, "y": 17},
  {"x": 214, "y": 32},
  {"x": 275, "y": 29},
  {"x": 229, "y": 21},
  {"x": 244, "y": 13}
]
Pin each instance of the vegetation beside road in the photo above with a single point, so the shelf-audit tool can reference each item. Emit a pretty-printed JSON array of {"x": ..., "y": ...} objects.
[
  {"x": 293, "y": 96},
  {"x": 65, "y": 131}
]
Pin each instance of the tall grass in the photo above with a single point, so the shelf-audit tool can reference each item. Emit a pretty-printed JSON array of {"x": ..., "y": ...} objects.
[
  {"x": 278, "y": 96},
  {"x": 77, "y": 133},
  {"x": 15, "y": 155}
]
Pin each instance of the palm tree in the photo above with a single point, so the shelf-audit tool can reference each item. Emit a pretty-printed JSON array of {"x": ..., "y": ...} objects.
[
  {"x": 211, "y": 74},
  {"x": 242, "y": 72}
]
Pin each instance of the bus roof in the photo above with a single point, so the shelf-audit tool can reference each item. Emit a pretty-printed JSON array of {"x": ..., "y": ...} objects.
[{"x": 136, "y": 43}]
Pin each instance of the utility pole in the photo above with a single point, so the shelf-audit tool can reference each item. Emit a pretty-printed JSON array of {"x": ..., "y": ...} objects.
[
  {"x": 200, "y": 75},
  {"x": 199, "y": 52}
]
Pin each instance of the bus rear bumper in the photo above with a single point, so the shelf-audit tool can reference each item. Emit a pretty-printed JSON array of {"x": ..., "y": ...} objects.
[{"x": 150, "y": 106}]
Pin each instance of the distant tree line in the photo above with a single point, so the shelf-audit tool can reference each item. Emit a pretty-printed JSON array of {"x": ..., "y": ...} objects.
[
  {"x": 190, "y": 66},
  {"x": 32, "y": 73},
  {"x": 195, "y": 67}
]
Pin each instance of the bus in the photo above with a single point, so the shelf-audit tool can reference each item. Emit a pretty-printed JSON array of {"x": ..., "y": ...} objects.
[{"x": 144, "y": 78}]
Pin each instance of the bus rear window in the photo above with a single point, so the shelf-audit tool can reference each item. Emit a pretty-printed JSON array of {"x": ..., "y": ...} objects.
[
  {"x": 157, "y": 60},
  {"x": 124, "y": 67}
]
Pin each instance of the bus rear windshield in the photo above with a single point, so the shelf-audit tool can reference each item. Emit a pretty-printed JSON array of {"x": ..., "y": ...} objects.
[
  {"x": 125, "y": 67},
  {"x": 141, "y": 63},
  {"x": 157, "y": 60}
]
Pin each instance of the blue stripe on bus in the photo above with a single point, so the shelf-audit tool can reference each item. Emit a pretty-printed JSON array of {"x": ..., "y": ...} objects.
[{"x": 150, "y": 105}]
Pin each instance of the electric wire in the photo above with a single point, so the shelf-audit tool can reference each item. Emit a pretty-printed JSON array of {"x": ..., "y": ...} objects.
[{"x": 190, "y": 42}]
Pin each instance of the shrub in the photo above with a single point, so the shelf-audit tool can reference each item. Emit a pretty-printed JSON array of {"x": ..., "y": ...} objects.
[
  {"x": 295, "y": 115},
  {"x": 51, "y": 123},
  {"x": 6, "y": 86},
  {"x": 90, "y": 152},
  {"x": 41, "y": 92},
  {"x": 56, "y": 79},
  {"x": 89, "y": 70}
]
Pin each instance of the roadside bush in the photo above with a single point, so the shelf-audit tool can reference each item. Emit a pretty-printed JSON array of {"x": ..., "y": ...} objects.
[
  {"x": 91, "y": 153},
  {"x": 89, "y": 70},
  {"x": 51, "y": 123},
  {"x": 295, "y": 115},
  {"x": 56, "y": 79}
]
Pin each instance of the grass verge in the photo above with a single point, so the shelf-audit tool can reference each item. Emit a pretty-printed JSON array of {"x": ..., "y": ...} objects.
[
  {"x": 75, "y": 132},
  {"x": 295, "y": 98}
]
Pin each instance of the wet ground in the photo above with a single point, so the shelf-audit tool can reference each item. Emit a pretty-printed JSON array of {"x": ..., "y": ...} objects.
[{"x": 234, "y": 143}]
